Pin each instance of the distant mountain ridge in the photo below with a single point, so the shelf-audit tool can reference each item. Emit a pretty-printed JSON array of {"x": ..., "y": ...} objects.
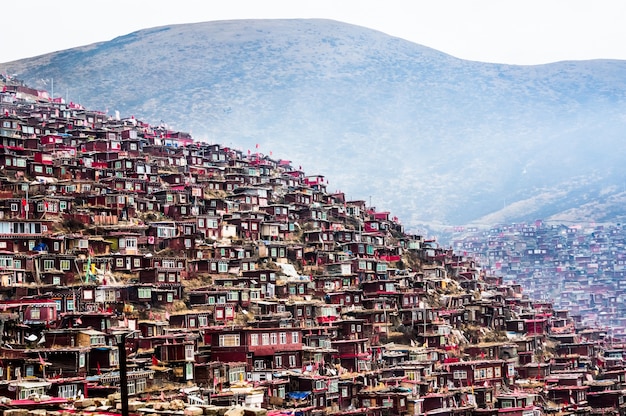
[{"x": 437, "y": 140}]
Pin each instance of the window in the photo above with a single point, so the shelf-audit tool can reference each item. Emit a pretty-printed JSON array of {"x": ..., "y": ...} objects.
[
  {"x": 506, "y": 404},
  {"x": 131, "y": 387},
  {"x": 229, "y": 340},
  {"x": 64, "y": 264},
  {"x": 236, "y": 374},
  {"x": 265, "y": 338},
  {"x": 283, "y": 338},
  {"x": 279, "y": 361},
  {"x": 459, "y": 375},
  {"x": 189, "y": 352},
  {"x": 333, "y": 386},
  {"x": 144, "y": 293},
  {"x": 411, "y": 375},
  {"x": 67, "y": 391},
  {"x": 140, "y": 385},
  {"x": 97, "y": 340},
  {"x": 295, "y": 337},
  {"x": 48, "y": 264},
  {"x": 35, "y": 313},
  {"x": 292, "y": 361},
  {"x": 254, "y": 339}
]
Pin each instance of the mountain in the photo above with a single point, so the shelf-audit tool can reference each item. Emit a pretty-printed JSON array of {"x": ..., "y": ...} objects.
[{"x": 435, "y": 139}]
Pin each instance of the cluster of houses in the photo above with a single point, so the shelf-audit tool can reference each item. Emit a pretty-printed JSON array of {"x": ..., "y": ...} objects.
[
  {"x": 578, "y": 267},
  {"x": 132, "y": 255}
]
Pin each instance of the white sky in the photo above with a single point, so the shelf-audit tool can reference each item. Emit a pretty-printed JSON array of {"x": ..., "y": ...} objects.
[{"x": 502, "y": 31}]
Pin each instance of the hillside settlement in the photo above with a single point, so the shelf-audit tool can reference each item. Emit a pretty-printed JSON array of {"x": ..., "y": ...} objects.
[{"x": 202, "y": 278}]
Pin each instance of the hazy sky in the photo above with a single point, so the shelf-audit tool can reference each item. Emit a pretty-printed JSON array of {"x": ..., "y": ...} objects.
[{"x": 503, "y": 31}]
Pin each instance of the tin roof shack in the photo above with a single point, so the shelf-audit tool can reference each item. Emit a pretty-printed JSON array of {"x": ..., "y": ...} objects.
[
  {"x": 485, "y": 372},
  {"x": 607, "y": 402},
  {"x": 582, "y": 349},
  {"x": 164, "y": 276},
  {"x": 411, "y": 374},
  {"x": 534, "y": 370},
  {"x": 515, "y": 404},
  {"x": 441, "y": 404},
  {"x": 567, "y": 390},
  {"x": 377, "y": 317},
  {"x": 526, "y": 347},
  {"x": 387, "y": 400},
  {"x": 138, "y": 381},
  {"x": 64, "y": 353},
  {"x": 317, "y": 350},
  {"x": 611, "y": 358},
  {"x": 103, "y": 354},
  {"x": 319, "y": 391},
  {"x": 616, "y": 376},
  {"x": 353, "y": 354},
  {"x": 102, "y": 320},
  {"x": 190, "y": 320},
  {"x": 152, "y": 328},
  {"x": 179, "y": 356},
  {"x": 272, "y": 350},
  {"x": 303, "y": 311},
  {"x": 501, "y": 350},
  {"x": 347, "y": 298}
]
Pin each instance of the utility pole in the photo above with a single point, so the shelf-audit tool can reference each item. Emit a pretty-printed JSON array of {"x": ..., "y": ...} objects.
[{"x": 121, "y": 346}]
